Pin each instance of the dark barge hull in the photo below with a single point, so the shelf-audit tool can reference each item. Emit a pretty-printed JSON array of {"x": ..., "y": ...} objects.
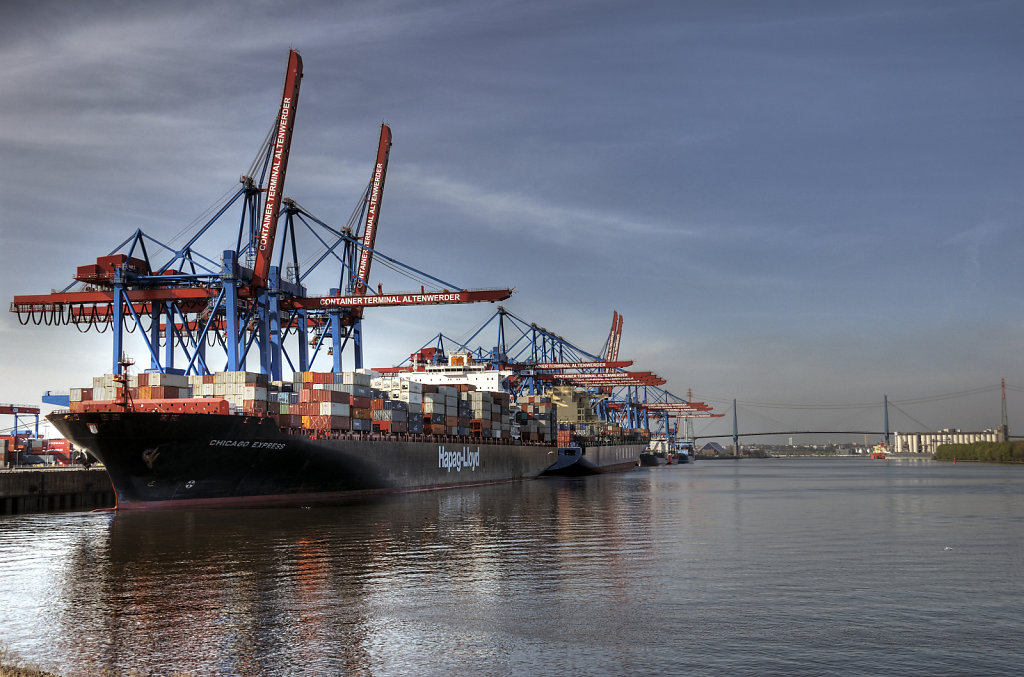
[
  {"x": 186, "y": 460},
  {"x": 651, "y": 459},
  {"x": 573, "y": 462}
]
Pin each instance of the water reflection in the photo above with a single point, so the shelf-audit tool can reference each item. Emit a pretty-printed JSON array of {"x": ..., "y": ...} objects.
[
  {"x": 718, "y": 568},
  {"x": 347, "y": 590}
]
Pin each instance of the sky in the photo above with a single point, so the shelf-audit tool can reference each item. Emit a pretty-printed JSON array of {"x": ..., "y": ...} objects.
[{"x": 807, "y": 204}]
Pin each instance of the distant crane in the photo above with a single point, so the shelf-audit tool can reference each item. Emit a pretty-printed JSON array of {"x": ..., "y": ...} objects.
[
  {"x": 19, "y": 411},
  {"x": 532, "y": 358}
]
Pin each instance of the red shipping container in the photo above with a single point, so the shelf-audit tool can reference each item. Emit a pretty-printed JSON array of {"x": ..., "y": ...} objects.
[
  {"x": 257, "y": 407},
  {"x": 391, "y": 426}
]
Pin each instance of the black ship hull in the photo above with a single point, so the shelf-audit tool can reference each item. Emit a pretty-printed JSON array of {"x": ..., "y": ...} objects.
[{"x": 206, "y": 460}]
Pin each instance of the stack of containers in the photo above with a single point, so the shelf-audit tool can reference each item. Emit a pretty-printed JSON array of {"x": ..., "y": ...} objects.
[
  {"x": 157, "y": 386},
  {"x": 564, "y": 434},
  {"x": 328, "y": 401},
  {"x": 411, "y": 392},
  {"x": 106, "y": 388},
  {"x": 481, "y": 406},
  {"x": 451, "y": 408},
  {"x": 389, "y": 416},
  {"x": 245, "y": 391},
  {"x": 433, "y": 409},
  {"x": 406, "y": 392},
  {"x": 144, "y": 386},
  {"x": 536, "y": 419},
  {"x": 464, "y": 408},
  {"x": 322, "y": 407},
  {"x": 358, "y": 385},
  {"x": 333, "y": 400}
]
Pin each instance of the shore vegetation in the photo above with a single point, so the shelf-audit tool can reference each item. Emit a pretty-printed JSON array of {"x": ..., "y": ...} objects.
[{"x": 989, "y": 452}]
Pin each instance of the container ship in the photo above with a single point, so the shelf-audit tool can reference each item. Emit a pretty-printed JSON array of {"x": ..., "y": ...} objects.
[
  {"x": 173, "y": 437},
  {"x": 237, "y": 439}
]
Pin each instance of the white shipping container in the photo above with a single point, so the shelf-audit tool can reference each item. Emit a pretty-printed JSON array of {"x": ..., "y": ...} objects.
[
  {"x": 173, "y": 380},
  {"x": 251, "y": 392},
  {"x": 412, "y": 397},
  {"x": 390, "y": 415},
  {"x": 355, "y": 378},
  {"x": 335, "y": 409}
]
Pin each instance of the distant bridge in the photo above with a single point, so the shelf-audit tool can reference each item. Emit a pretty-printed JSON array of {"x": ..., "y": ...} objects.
[{"x": 795, "y": 432}]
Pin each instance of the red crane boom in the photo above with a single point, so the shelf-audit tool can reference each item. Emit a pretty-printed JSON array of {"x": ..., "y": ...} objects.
[
  {"x": 275, "y": 186},
  {"x": 399, "y": 299},
  {"x": 380, "y": 170}
]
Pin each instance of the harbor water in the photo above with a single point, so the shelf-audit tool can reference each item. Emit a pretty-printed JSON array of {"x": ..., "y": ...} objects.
[{"x": 755, "y": 567}]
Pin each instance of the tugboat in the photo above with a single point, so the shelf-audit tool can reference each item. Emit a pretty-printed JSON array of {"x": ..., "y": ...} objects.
[
  {"x": 656, "y": 454},
  {"x": 684, "y": 452}
]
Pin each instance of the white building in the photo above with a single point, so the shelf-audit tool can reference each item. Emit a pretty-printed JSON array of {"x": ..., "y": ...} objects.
[{"x": 927, "y": 443}]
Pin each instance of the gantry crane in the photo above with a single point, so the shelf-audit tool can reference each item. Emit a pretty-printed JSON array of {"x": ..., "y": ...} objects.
[
  {"x": 242, "y": 303},
  {"x": 533, "y": 358}
]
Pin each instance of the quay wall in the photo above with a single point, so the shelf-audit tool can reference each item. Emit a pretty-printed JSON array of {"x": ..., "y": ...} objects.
[{"x": 44, "y": 490}]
